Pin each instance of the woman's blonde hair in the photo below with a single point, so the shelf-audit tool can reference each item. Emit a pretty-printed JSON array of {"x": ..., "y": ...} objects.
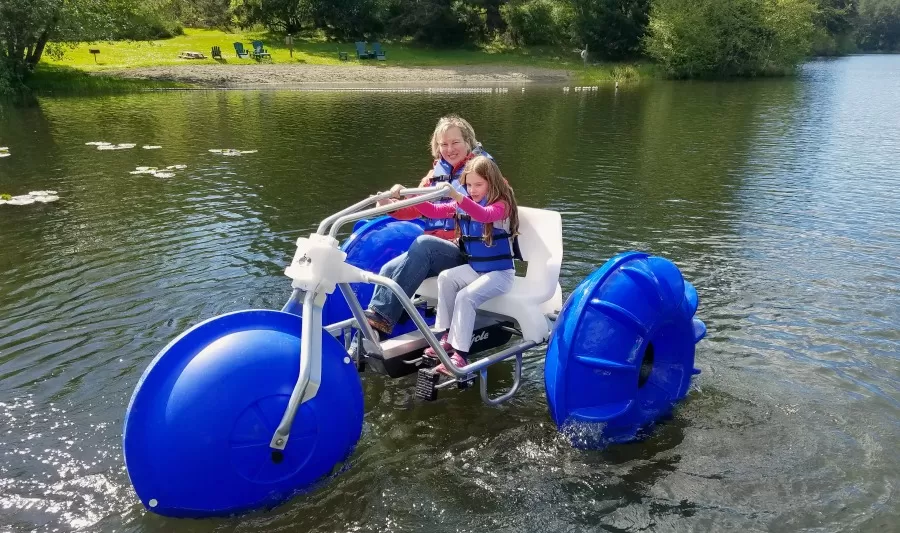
[
  {"x": 498, "y": 191},
  {"x": 452, "y": 121}
]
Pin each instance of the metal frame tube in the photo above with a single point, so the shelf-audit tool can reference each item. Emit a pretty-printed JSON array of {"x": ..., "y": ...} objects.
[
  {"x": 323, "y": 226},
  {"x": 310, "y": 347},
  {"x": 295, "y": 296},
  {"x": 517, "y": 382},
  {"x": 417, "y": 319},
  {"x": 427, "y": 196},
  {"x": 357, "y": 310}
]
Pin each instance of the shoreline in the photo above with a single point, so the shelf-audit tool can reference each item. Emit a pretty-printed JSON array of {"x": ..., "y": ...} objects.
[{"x": 329, "y": 76}]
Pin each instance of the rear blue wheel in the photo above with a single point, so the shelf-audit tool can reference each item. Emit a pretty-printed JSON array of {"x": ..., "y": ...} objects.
[{"x": 621, "y": 354}]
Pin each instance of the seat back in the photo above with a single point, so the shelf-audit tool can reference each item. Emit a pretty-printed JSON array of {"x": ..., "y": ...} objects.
[
  {"x": 540, "y": 241},
  {"x": 239, "y": 48},
  {"x": 257, "y": 45}
]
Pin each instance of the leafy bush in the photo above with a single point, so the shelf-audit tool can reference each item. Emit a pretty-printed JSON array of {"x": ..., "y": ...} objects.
[
  {"x": 348, "y": 19},
  {"x": 612, "y": 29},
  {"x": 535, "y": 22},
  {"x": 701, "y": 38},
  {"x": 879, "y": 25},
  {"x": 430, "y": 22},
  {"x": 473, "y": 18}
]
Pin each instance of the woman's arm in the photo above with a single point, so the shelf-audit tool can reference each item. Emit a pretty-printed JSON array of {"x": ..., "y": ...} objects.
[{"x": 408, "y": 213}]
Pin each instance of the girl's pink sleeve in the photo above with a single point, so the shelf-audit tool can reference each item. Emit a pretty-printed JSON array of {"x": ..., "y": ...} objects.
[
  {"x": 431, "y": 210},
  {"x": 494, "y": 212}
]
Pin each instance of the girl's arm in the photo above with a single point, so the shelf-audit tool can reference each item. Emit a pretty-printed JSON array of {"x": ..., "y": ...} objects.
[
  {"x": 490, "y": 213},
  {"x": 431, "y": 210}
]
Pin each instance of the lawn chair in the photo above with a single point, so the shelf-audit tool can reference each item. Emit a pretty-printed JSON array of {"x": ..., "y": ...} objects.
[
  {"x": 216, "y": 52},
  {"x": 241, "y": 53},
  {"x": 361, "y": 52},
  {"x": 259, "y": 52},
  {"x": 379, "y": 53}
]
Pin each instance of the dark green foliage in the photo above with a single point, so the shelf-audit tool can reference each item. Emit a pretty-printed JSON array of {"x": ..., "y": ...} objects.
[
  {"x": 879, "y": 26},
  {"x": 285, "y": 16},
  {"x": 612, "y": 29},
  {"x": 435, "y": 22},
  {"x": 202, "y": 13},
  {"x": 720, "y": 38},
  {"x": 835, "y": 22},
  {"x": 535, "y": 22},
  {"x": 348, "y": 19}
]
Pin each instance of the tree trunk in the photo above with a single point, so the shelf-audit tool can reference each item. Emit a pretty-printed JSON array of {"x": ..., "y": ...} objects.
[{"x": 32, "y": 59}]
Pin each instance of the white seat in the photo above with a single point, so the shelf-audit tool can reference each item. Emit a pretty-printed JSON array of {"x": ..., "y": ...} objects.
[{"x": 536, "y": 294}]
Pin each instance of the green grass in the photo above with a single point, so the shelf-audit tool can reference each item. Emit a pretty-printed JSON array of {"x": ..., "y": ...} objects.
[
  {"x": 60, "y": 79},
  {"x": 314, "y": 50}
]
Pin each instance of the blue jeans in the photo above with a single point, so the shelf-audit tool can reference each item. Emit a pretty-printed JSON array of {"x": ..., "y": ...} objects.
[{"x": 428, "y": 256}]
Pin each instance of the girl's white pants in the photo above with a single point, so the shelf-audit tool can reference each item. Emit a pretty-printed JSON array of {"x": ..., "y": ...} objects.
[{"x": 461, "y": 291}]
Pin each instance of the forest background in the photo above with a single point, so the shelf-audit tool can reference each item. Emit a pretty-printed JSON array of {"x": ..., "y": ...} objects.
[{"x": 684, "y": 38}]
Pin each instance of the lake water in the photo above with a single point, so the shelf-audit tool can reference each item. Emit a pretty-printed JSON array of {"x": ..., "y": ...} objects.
[{"x": 778, "y": 199}]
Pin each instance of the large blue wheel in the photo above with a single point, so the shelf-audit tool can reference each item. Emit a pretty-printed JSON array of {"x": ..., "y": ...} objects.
[
  {"x": 621, "y": 354},
  {"x": 198, "y": 427}
]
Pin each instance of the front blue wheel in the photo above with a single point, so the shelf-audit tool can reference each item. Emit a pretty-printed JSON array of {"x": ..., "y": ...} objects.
[{"x": 198, "y": 428}]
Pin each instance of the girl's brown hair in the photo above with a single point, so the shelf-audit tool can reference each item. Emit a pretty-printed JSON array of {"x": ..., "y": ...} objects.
[{"x": 498, "y": 191}]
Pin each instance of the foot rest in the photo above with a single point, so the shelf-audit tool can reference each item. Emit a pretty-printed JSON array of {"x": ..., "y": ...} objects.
[{"x": 426, "y": 382}]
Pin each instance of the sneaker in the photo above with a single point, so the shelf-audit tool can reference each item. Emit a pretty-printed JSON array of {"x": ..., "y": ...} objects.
[
  {"x": 429, "y": 352},
  {"x": 457, "y": 359}
]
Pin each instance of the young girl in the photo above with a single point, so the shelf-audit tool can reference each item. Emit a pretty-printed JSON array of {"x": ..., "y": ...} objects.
[
  {"x": 487, "y": 221},
  {"x": 453, "y": 144}
]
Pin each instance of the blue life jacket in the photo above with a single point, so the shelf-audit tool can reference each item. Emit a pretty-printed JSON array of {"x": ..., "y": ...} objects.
[
  {"x": 481, "y": 257},
  {"x": 443, "y": 172}
]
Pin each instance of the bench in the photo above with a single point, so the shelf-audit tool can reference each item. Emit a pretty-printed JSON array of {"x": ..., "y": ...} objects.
[{"x": 537, "y": 293}]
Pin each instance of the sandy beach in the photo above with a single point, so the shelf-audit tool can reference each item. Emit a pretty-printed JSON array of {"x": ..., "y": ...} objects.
[{"x": 262, "y": 75}]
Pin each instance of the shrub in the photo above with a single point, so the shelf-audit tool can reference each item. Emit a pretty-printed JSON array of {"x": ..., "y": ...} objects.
[
  {"x": 703, "y": 38},
  {"x": 536, "y": 22}
]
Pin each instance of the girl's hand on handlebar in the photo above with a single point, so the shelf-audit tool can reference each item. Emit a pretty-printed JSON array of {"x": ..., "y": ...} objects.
[{"x": 452, "y": 192}]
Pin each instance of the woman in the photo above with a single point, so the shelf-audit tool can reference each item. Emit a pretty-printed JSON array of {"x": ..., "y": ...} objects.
[{"x": 453, "y": 144}]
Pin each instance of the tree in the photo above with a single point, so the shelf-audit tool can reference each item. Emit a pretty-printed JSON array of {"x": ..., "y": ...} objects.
[
  {"x": 879, "y": 25},
  {"x": 347, "y": 19},
  {"x": 28, "y": 27},
  {"x": 286, "y": 16},
  {"x": 701, "y": 38},
  {"x": 203, "y": 13},
  {"x": 612, "y": 29}
]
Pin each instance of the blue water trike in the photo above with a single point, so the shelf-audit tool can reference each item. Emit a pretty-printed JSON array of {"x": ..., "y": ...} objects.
[{"x": 247, "y": 409}]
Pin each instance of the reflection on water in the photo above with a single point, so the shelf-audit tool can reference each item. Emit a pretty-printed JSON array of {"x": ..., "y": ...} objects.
[{"x": 777, "y": 198}]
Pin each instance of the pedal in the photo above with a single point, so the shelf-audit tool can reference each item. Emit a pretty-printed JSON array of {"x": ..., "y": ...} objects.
[
  {"x": 429, "y": 362},
  {"x": 426, "y": 382}
]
